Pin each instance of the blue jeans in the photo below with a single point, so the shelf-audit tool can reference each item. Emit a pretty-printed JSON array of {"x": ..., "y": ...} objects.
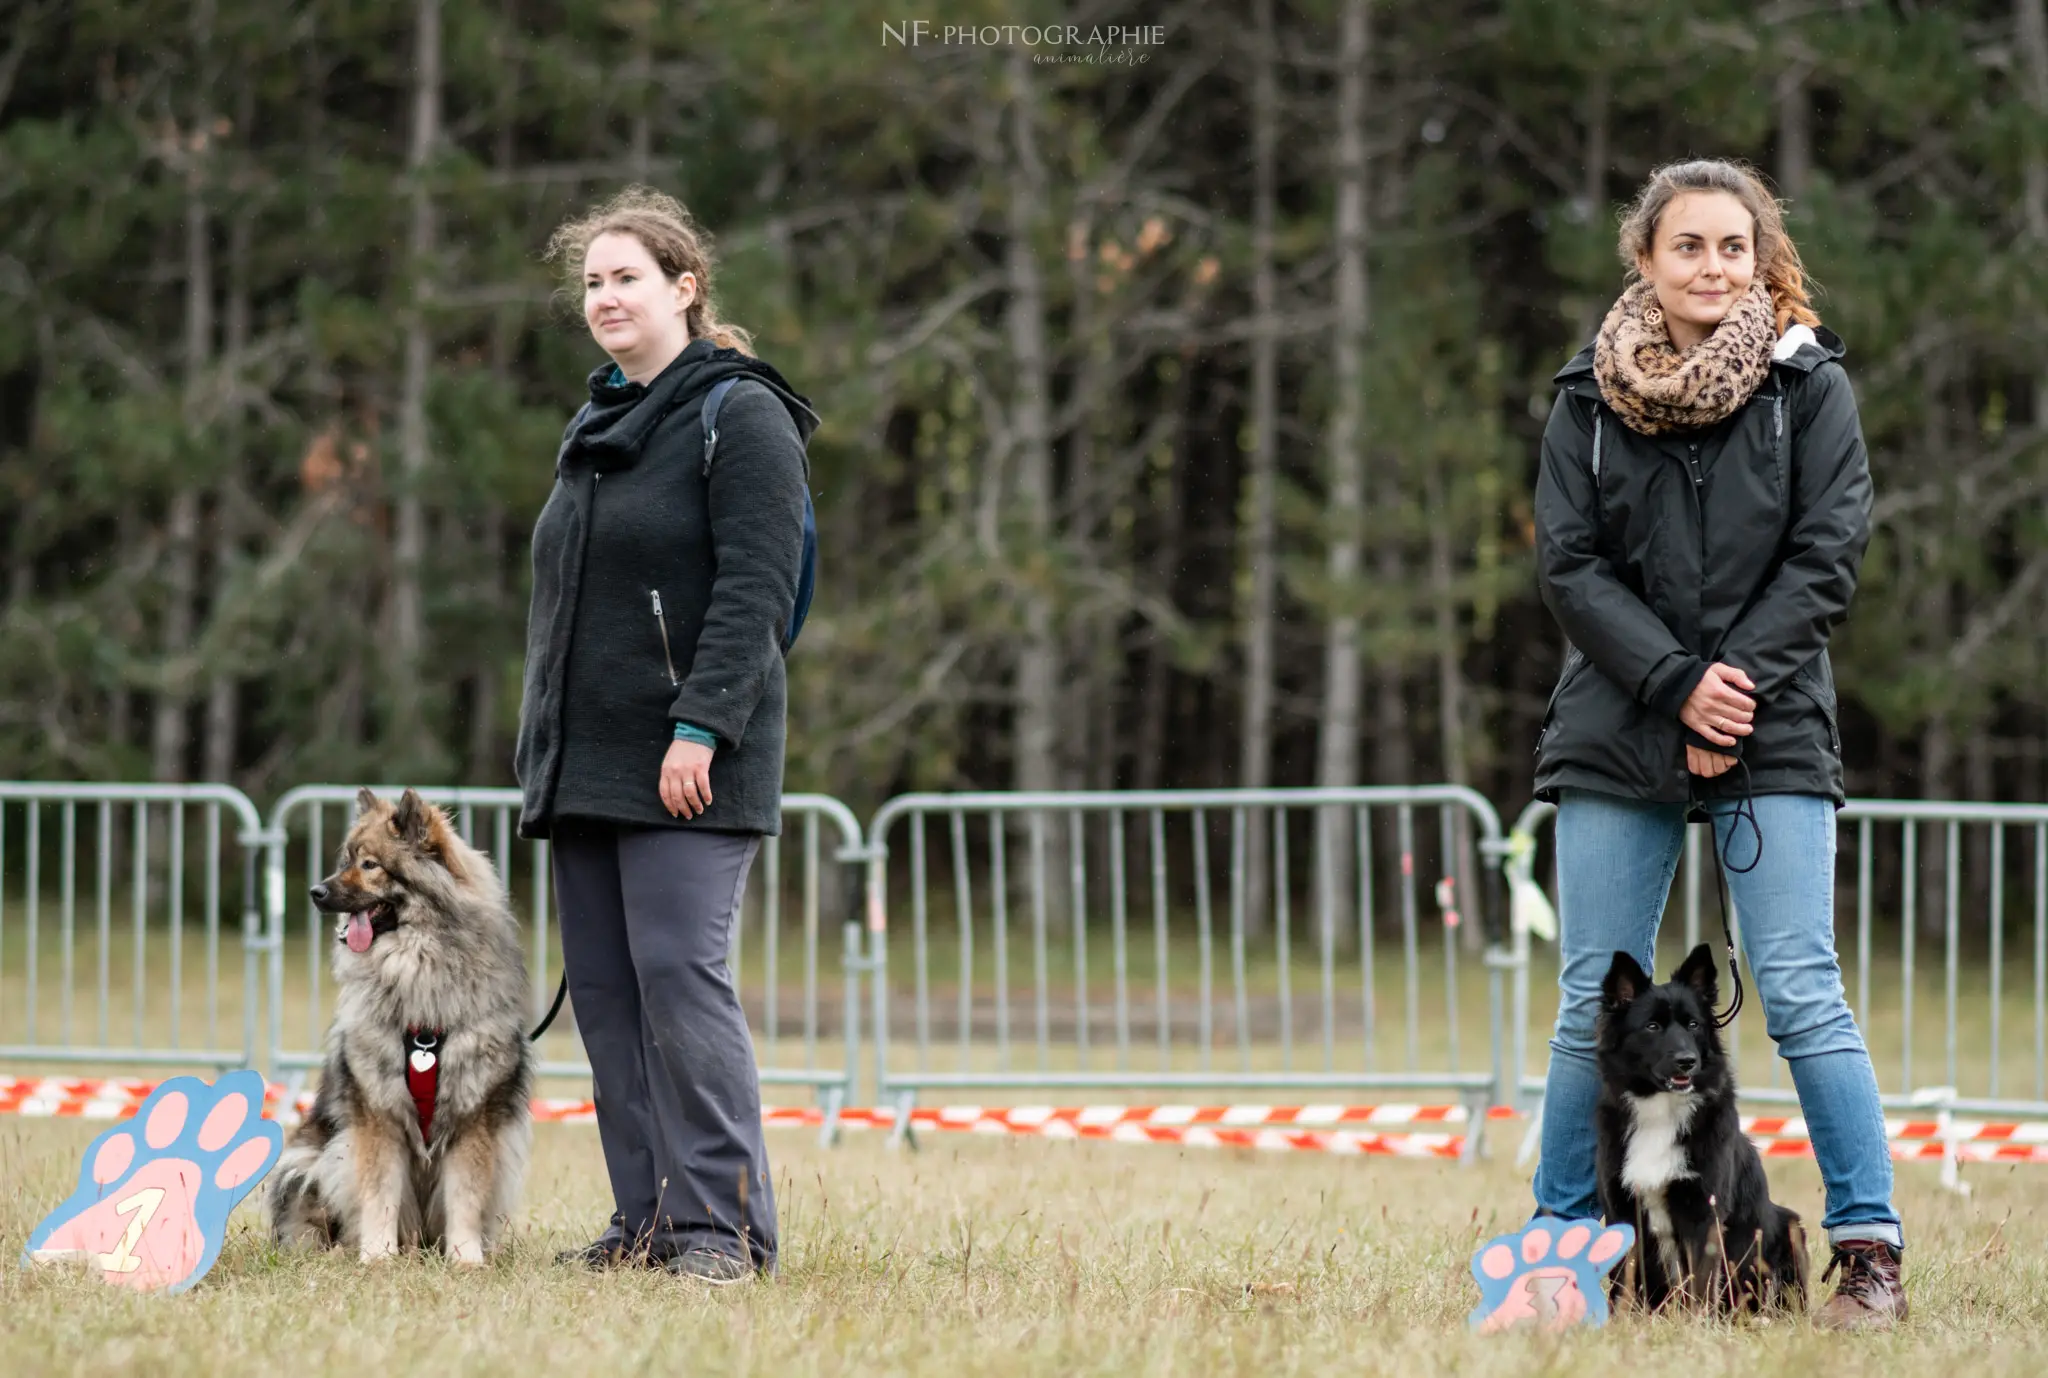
[{"x": 1615, "y": 860}]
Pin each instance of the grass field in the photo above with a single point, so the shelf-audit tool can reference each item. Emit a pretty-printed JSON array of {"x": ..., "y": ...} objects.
[{"x": 1004, "y": 1256}]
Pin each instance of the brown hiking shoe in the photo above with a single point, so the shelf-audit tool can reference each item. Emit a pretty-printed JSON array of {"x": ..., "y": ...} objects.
[{"x": 1870, "y": 1294}]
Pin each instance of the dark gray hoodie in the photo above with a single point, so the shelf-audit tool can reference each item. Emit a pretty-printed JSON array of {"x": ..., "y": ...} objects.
[{"x": 660, "y": 596}]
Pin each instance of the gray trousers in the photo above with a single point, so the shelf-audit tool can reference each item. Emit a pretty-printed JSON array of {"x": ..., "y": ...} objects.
[{"x": 646, "y": 915}]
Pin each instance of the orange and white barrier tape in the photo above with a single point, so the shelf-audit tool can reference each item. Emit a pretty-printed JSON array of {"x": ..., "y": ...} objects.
[
  {"x": 1243, "y": 1126},
  {"x": 1912, "y": 1131},
  {"x": 1392, "y": 1130},
  {"x": 1972, "y": 1141},
  {"x": 1098, "y": 1121},
  {"x": 1249, "y": 1126},
  {"x": 53, "y": 1096}
]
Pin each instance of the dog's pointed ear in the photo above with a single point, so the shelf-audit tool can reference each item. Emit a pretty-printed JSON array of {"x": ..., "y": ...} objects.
[
  {"x": 366, "y": 799},
  {"x": 1626, "y": 980},
  {"x": 1697, "y": 971},
  {"x": 411, "y": 821}
]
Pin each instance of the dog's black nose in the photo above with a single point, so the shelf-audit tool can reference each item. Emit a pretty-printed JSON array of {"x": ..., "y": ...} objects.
[
  {"x": 1687, "y": 1063},
  {"x": 320, "y": 893}
]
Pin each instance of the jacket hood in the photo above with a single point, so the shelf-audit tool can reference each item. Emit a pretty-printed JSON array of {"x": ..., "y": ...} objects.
[
  {"x": 1801, "y": 348},
  {"x": 1805, "y": 348},
  {"x": 622, "y": 415}
]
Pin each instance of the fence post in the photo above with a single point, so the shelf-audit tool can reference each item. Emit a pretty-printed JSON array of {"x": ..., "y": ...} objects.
[{"x": 852, "y": 961}]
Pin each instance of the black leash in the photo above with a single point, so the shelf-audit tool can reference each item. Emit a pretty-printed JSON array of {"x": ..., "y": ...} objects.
[
  {"x": 553, "y": 1010},
  {"x": 1745, "y": 811}
]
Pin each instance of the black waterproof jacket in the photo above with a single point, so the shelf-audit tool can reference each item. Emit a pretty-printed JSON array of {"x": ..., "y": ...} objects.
[
  {"x": 660, "y": 596},
  {"x": 1659, "y": 555}
]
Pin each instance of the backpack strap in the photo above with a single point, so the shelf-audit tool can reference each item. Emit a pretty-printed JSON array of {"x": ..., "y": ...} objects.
[
  {"x": 712, "y": 401},
  {"x": 806, "y": 574}
]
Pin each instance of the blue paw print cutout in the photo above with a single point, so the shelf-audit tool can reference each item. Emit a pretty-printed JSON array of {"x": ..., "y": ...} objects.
[
  {"x": 1546, "y": 1275},
  {"x": 154, "y": 1192}
]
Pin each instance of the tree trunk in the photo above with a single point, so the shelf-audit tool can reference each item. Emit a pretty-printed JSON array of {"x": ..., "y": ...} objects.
[
  {"x": 2032, "y": 28},
  {"x": 1081, "y": 745},
  {"x": 2031, "y": 25},
  {"x": 1393, "y": 760},
  {"x": 121, "y": 700},
  {"x": 1981, "y": 780},
  {"x": 1593, "y": 190},
  {"x": 223, "y": 690},
  {"x": 1337, "y": 749},
  {"x": 484, "y": 764},
  {"x": 171, "y": 723},
  {"x": 1450, "y": 680},
  {"x": 1937, "y": 764},
  {"x": 1933, "y": 598},
  {"x": 1795, "y": 133},
  {"x": 1039, "y": 669},
  {"x": 1157, "y": 702},
  {"x": 1255, "y": 731},
  {"x": 407, "y": 734},
  {"x": 21, "y": 566},
  {"x": 640, "y": 83},
  {"x": 2032, "y": 31}
]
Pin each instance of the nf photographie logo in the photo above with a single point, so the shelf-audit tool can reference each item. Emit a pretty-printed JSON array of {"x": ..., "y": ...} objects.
[
  {"x": 913, "y": 33},
  {"x": 1112, "y": 45}
]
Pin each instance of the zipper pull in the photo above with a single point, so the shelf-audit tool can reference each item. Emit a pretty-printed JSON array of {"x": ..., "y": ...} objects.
[{"x": 667, "y": 657}]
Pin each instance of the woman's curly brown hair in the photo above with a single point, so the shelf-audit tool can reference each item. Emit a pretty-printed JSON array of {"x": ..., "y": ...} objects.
[
  {"x": 1776, "y": 255},
  {"x": 671, "y": 238}
]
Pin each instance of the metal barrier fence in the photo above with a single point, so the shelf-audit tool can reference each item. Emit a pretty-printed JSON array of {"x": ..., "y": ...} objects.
[
  {"x": 178, "y": 850},
  {"x": 1892, "y": 908},
  {"x": 792, "y": 1033},
  {"x": 1057, "y": 941},
  {"x": 1014, "y": 981}
]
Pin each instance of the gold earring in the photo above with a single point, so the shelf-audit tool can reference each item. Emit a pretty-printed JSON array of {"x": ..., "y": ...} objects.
[{"x": 1653, "y": 316}]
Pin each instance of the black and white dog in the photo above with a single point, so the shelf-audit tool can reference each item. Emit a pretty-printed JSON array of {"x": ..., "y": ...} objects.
[{"x": 1673, "y": 1159}]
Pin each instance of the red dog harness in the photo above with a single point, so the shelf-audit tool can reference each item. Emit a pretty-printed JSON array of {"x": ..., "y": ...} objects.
[{"x": 423, "y": 1074}]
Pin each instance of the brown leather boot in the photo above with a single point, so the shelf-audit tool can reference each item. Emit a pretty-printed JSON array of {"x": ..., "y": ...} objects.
[{"x": 1870, "y": 1295}]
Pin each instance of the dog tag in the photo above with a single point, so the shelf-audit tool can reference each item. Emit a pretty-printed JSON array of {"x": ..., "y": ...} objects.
[{"x": 422, "y": 1061}]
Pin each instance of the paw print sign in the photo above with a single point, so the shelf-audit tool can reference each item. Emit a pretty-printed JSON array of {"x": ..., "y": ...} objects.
[
  {"x": 154, "y": 1192},
  {"x": 1546, "y": 1276}
]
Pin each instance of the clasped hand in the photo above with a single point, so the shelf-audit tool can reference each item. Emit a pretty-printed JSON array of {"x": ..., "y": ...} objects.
[{"x": 1721, "y": 710}]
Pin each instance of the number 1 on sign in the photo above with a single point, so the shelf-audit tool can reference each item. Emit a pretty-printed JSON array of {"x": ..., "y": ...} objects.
[
  {"x": 143, "y": 1205},
  {"x": 1543, "y": 1296}
]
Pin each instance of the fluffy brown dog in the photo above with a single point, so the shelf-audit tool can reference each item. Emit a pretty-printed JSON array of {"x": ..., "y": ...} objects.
[{"x": 420, "y": 1131}]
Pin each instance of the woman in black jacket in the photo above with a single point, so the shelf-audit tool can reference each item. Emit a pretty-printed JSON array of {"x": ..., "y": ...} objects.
[
  {"x": 651, "y": 732},
  {"x": 1702, "y": 509}
]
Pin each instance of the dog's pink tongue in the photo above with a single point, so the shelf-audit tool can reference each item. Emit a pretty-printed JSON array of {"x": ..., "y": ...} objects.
[{"x": 359, "y": 934}]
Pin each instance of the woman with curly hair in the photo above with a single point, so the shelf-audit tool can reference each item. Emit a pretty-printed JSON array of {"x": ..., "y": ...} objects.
[
  {"x": 1702, "y": 508},
  {"x": 665, "y": 576}
]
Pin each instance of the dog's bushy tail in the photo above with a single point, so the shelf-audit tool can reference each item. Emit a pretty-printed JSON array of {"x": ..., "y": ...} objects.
[
  {"x": 1785, "y": 1257},
  {"x": 292, "y": 1200}
]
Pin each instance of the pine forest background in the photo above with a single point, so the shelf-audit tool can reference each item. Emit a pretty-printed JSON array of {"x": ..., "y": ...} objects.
[{"x": 1181, "y": 417}]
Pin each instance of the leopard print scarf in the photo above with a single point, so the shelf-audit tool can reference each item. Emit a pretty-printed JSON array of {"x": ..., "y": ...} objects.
[{"x": 1654, "y": 388}]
